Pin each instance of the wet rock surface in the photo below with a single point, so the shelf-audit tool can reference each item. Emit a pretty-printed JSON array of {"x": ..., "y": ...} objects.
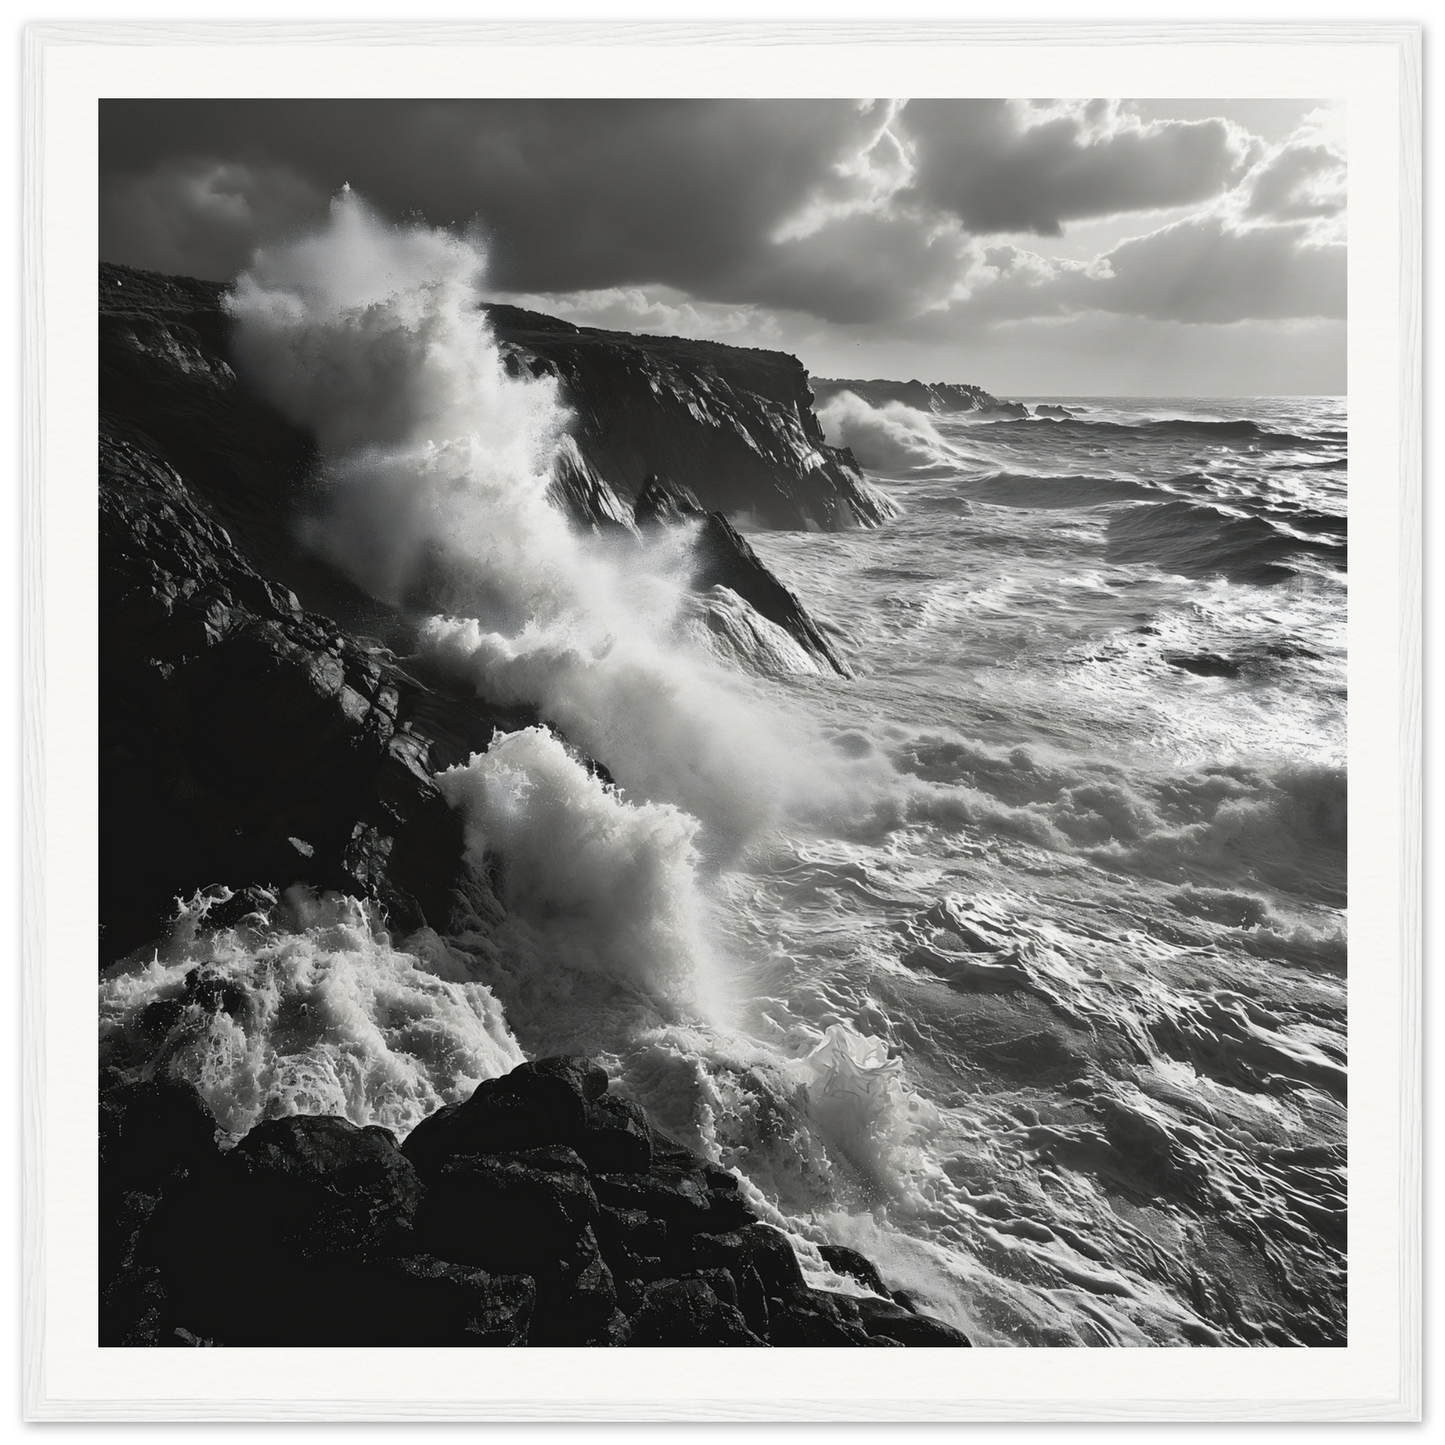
[
  {"x": 507, "y": 1220},
  {"x": 246, "y": 741}
]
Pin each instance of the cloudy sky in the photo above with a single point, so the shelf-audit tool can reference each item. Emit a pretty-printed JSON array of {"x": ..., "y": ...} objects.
[{"x": 1182, "y": 247}]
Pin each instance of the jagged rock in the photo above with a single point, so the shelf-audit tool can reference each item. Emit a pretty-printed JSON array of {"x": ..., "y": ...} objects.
[
  {"x": 273, "y": 1244},
  {"x": 816, "y": 1318},
  {"x": 842, "y": 1260},
  {"x": 722, "y": 557},
  {"x": 616, "y": 1139},
  {"x": 133, "y": 1307},
  {"x": 577, "y": 1297},
  {"x": 702, "y": 1199},
  {"x": 150, "y": 1132},
  {"x": 583, "y": 494},
  {"x": 420, "y": 1300},
  {"x": 688, "y": 1312},
  {"x": 152, "y": 1135},
  {"x": 732, "y": 1253},
  {"x": 498, "y": 1209},
  {"x": 312, "y": 1232},
  {"x": 661, "y": 503},
  {"x": 247, "y": 739},
  {"x": 537, "y": 1104},
  {"x": 244, "y": 741},
  {"x": 310, "y": 1177},
  {"x": 893, "y": 1321}
]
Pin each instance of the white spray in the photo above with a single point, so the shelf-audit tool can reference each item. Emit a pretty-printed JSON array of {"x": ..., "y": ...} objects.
[{"x": 437, "y": 468}]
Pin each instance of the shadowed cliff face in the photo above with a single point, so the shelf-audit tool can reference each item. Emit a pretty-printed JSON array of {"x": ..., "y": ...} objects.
[
  {"x": 246, "y": 739},
  {"x": 734, "y": 426}
]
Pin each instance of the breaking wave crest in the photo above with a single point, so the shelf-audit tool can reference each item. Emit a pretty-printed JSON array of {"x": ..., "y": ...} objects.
[{"x": 894, "y": 439}]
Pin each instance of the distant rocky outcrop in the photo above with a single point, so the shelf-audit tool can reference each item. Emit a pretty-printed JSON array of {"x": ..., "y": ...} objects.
[
  {"x": 543, "y": 1210},
  {"x": 932, "y": 396}
]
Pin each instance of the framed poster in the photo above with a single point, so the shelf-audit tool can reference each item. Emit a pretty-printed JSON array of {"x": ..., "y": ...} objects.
[{"x": 677, "y": 707}]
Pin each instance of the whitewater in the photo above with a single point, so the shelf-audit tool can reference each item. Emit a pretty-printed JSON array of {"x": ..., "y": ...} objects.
[{"x": 1017, "y": 960}]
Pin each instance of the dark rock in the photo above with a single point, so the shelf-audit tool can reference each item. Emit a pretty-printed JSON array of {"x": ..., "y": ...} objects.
[
  {"x": 638, "y": 1251},
  {"x": 351, "y": 1300},
  {"x": 133, "y": 1307},
  {"x": 631, "y": 1230},
  {"x": 549, "y": 1102},
  {"x": 894, "y": 1321},
  {"x": 584, "y": 494},
  {"x": 521, "y": 1210},
  {"x": 239, "y": 729},
  {"x": 697, "y": 1200},
  {"x": 577, "y": 1297},
  {"x": 816, "y": 1319},
  {"x": 150, "y": 1132},
  {"x": 318, "y": 1182},
  {"x": 770, "y": 1254},
  {"x": 421, "y": 1300},
  {"x": 930, "y": 396},
  {"x": 123, "y": 1218},
  {"x": 663, "y": 503},
  {"x": 293, "y": 1188},
  {"x": 272, "y": 1243},
  {"x": 734, "y": 1253},
  {"x": 721, "y": 1283},
  {"x": 666, "y": 1150},
  {"x": 687, "y": 1312},
  {"x": 312, "y": 1232},
  {"x": 245, "y": 906},
  {"x": 842, "y": 1260},
  {"x": 723, "y": 558},
  {"x": 616, "y": 1138}
]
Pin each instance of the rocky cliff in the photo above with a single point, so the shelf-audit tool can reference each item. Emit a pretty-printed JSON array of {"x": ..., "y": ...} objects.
[
  {"x": 734, "y": 426},
  {"x": 256, "y": 725}
]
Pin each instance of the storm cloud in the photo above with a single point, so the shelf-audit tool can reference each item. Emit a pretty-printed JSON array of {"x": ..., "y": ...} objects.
[{"x": 762, "y": 218}]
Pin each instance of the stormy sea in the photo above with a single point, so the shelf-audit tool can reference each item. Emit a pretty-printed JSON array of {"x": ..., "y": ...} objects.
[{"x": 982, "y": 910}]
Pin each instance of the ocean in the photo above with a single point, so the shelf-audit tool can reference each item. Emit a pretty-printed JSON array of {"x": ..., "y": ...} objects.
[{"x": 1016, "y": 960}]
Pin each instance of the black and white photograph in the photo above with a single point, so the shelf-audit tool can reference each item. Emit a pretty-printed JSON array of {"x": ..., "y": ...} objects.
[{"x": 722, "y": 722}]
